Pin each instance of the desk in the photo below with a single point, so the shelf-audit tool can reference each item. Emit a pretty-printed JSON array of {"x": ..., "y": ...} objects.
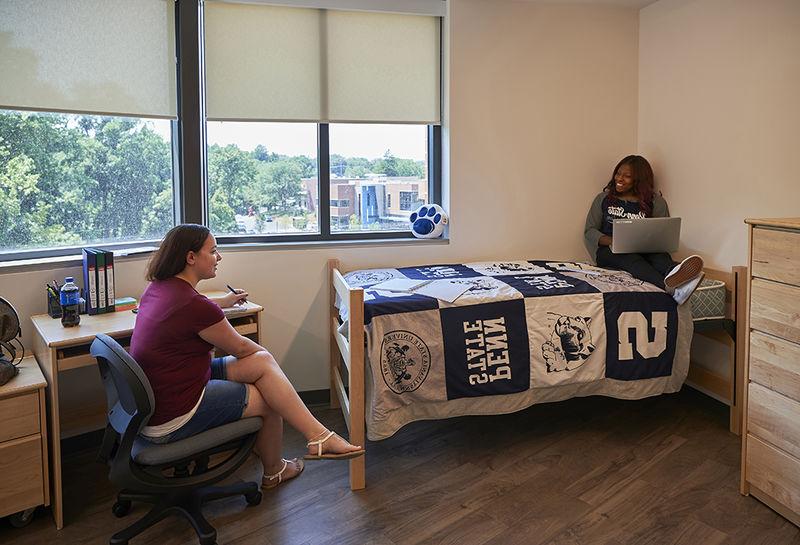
[
  {"x": 59, "y": 350},
  {"x": 23, "y": 441}
]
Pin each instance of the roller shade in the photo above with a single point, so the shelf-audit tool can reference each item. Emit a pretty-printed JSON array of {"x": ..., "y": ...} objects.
[
  {"x": 112, "y": 57},
  {"x": 277, "y": 63}
]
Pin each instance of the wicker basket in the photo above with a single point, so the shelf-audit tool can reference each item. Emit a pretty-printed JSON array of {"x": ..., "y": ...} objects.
[{"x": 708, "y": 300}]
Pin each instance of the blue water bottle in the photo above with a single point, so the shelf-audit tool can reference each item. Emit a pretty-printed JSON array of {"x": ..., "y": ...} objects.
[{"x": 70, "y": 303}]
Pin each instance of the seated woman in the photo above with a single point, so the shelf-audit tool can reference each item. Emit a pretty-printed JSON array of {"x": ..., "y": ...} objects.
[
  {"x": 630, "y": 194},
  {"x": 176, "y": 331}
]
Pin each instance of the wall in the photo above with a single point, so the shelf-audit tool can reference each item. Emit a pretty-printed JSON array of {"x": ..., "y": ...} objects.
[
  {"x": 719, "y": 116},
  {"x": 542, "y": 103}
]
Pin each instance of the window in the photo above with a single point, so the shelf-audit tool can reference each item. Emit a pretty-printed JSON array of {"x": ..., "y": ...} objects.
[
  {"x": 262, "y": 178},
  {"x": 300, "y": 134},
  {"x": 76, "y": 180},
  {"x": 409, "y": 200},
  {"x": 100, "y": 171},
  {"x": 377, "y": 129}
]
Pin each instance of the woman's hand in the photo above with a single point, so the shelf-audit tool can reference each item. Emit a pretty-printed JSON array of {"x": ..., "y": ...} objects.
[
  {"x": 605, "y": 240},
  {"x": 231, "y": 299}
]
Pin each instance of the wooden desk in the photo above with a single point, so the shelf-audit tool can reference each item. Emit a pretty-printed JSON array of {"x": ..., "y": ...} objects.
[
  {"x": 59, "y": 349},
  {"x": 23, "y": 442}
]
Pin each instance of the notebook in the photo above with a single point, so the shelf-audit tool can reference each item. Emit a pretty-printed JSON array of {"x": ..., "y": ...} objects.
[{"x": 444, "y": 290}]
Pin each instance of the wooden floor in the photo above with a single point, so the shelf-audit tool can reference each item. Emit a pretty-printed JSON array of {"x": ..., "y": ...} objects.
[{"x": 662, "y": 470}]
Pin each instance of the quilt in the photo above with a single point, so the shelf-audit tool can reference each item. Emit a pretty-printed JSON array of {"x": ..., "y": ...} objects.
[{"x": 524, "y": 332}]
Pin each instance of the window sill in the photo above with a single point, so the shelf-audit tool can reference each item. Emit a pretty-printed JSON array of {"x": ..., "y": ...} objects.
[{"x": 57, "y": 262}]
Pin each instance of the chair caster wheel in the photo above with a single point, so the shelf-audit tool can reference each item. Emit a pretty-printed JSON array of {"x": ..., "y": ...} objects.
[
  {"x": 254, "y": 498},
  {"x": 22, "y": 518},
  {"x": 121, "y": 508}
]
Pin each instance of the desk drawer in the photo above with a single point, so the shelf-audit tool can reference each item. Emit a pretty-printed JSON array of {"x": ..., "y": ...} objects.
[
  {"x": 21, "y": 470},
  {"x": 776, "y": 255},
  {"x": 774, "y": 418},
  {"x": 775, "y": 363},
  {"x": 19, "y": 416},
  {"x": 774, "y": 472},
  {"x": 774, "y": 309}
]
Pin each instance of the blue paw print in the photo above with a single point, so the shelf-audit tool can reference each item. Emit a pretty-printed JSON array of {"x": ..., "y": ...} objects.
[{"x": 425, "y": 220}]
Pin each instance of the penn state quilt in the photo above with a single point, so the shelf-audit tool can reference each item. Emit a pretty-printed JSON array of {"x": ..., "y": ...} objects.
[{"x": 524, "y": 332}]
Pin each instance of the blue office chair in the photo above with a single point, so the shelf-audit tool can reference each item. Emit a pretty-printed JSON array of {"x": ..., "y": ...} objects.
[{"x": 175, "y": 477}]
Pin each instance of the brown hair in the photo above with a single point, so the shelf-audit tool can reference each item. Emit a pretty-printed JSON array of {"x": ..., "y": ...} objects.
[
  {"x": 642, "y": 174},
  {"x": 170, "y": 258}
]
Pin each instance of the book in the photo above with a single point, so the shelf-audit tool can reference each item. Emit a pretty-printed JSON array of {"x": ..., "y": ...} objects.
[
  {"x": 400, "y": 284},
  {"x": 90, "y": 280},
  {"x": 444, "y": 290},
  {"x": 109, "y": 280},
  {"x": 101, "y": 281}
]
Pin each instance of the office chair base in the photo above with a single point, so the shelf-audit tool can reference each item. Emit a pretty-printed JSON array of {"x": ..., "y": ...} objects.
[{"x": 187, "y": 505}]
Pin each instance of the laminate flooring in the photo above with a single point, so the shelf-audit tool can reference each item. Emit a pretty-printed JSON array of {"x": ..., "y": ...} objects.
[{"x": 662, "y": 470}]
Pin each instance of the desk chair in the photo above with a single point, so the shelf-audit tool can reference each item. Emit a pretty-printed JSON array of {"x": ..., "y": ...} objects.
[{"x": 175, "y": 477}]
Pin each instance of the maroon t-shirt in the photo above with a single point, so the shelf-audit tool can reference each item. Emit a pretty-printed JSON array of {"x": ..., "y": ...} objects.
[{"x": 166, "y": 344}]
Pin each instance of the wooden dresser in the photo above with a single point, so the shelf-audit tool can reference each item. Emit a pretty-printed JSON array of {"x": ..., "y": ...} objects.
[
  {"x": 23, "y": 444},
  {"x": 771, "y": 435}
]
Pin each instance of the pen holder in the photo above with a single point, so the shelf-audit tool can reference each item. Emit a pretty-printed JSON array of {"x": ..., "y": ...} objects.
[{"x": 53, "y": 305}]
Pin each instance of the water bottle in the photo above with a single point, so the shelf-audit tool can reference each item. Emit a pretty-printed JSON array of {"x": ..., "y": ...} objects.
[{"x": 70, "y": 303}]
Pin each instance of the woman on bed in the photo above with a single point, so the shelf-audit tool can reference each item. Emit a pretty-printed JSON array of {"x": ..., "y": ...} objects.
[
  {"x": 176, "y": 331},
  {"x": 629, "y": 194}
]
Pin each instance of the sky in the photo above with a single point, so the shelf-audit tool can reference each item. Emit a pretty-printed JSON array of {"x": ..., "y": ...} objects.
[{"x": 349, "y": 140}]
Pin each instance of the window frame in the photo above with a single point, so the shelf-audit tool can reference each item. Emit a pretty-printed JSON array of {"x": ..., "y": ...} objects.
[{"x": 190, "y": 165}]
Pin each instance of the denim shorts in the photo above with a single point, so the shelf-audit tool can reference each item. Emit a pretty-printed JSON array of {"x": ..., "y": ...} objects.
[{"x": 223, "y": 402}]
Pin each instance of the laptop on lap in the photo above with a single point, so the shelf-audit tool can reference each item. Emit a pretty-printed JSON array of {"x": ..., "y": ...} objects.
[{"x": 646, "y": 235}]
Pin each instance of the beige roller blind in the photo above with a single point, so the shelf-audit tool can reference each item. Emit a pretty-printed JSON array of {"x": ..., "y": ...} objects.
[
  {"x": 92, "y": 56},
  {"x": 275, "y": 63}
]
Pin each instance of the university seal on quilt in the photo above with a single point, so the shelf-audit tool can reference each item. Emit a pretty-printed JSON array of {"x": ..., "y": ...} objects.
[{"x": 405, "y": 361}]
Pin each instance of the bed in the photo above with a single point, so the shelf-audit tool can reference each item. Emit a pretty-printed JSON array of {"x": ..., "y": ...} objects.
[{"x": 524, "y": 332}]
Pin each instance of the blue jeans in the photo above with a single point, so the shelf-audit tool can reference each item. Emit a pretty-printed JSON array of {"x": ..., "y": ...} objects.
[{"x": 223, "y": 402}]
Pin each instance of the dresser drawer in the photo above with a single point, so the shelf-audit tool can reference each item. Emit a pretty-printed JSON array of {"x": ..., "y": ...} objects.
[
  {"x": 21, "y": 470},
  {"x": 774, "y": 418},
  {"x": 19, "y": 416},
  {"x": 775, "y": 309},
  {"x": 774, "y": 472},
  {"x": 776, "y": 255},
  {"x": 775, "y": 363}
]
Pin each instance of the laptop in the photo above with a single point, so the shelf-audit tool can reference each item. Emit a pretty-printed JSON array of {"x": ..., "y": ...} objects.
[{"x": 646, "y": 235}]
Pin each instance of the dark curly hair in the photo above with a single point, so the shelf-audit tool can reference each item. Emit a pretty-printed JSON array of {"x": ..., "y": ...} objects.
[{"x": 642, "y": 174}]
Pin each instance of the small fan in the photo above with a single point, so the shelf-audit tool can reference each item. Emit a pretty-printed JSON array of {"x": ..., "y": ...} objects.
[{"x": 9, "y": 331}]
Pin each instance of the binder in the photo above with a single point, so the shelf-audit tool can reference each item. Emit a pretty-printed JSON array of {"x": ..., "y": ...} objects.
[
  {"x": 102, "y": 294},
  {"x": 109, "y": 281},
  {"x": 90, "y": 279}
]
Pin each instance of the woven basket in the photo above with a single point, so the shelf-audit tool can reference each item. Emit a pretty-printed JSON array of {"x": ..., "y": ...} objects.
[{"x": 708, "y": 300}]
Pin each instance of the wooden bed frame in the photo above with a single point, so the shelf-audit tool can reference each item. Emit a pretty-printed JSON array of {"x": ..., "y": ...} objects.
[{"x": 349, "y": 394}]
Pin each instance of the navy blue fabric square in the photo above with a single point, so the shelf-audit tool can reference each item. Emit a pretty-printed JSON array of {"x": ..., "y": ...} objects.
[
  {"x": 382, "y": 304},
  {"x": 641, "y": 332},
  {"x": 438, "y": 272},
  {"x": 486, "y": 349},
  {"x": 538, "y": 285}
]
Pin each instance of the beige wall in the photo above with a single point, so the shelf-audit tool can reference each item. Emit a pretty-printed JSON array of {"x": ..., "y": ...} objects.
[
  {"x": 719, "y": 115},
  {"x": 542, "y": 103}
]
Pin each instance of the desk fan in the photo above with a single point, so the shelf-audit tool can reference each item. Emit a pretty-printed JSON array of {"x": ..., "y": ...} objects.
[{"x": 9, "y": 331}]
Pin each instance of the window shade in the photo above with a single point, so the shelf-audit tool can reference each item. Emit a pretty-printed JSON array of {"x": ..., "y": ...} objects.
[
  {"x": 89, "y": 56},
  {"x": 271, "y": 63}
]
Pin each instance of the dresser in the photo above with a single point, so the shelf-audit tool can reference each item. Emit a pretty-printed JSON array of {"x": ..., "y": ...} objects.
[
  {"x": 23, "y": 444},
  {"x": 771, "y": 434}
]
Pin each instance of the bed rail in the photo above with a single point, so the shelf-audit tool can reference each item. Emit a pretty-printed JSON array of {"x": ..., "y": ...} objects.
[
  {"x": 350, "y": 355},
  {"x": 729, "y": 330}
]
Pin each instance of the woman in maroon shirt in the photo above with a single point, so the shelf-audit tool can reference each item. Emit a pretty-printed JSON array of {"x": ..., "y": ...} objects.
[{"x": 176, "y": 331}]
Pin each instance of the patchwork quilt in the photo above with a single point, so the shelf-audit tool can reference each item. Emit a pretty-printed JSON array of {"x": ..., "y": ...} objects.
[{"x": 524, "y": 332}]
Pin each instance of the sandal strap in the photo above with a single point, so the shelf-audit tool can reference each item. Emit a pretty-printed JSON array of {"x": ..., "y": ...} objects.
[
  {"x": 279, "y": 474},
  {"x": 319, "y": 442}
]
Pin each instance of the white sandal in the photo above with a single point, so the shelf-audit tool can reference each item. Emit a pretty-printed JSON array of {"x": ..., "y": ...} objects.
[
  {"x": 330, "y": 456},
  {"x": 266, "y": 479}
]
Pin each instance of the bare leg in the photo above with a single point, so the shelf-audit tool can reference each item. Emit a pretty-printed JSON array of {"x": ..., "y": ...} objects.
[{"x": 263, "y": 372}]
